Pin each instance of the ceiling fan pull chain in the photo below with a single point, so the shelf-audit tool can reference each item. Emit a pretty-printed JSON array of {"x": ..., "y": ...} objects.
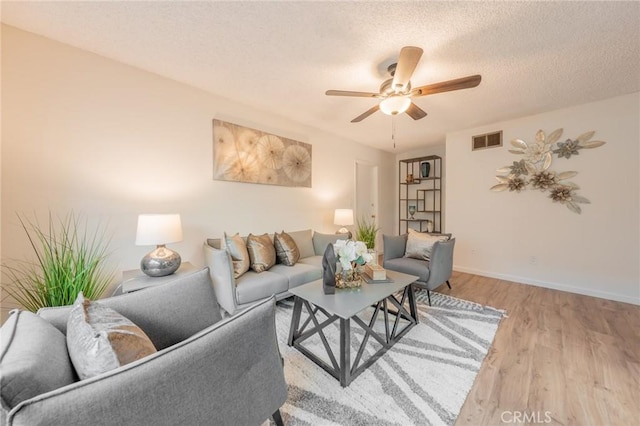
[{"x": 393, "y": 131}]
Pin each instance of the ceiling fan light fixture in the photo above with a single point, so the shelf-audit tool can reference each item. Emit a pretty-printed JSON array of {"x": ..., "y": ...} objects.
[{"x": 395, "y": 104}]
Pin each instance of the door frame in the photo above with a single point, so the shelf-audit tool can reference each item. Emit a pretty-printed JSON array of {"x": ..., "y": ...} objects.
[{"x": 376, "y": 170}]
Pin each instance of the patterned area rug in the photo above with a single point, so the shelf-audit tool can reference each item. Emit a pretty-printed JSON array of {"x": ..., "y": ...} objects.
[{"x": 422, "y": 380}]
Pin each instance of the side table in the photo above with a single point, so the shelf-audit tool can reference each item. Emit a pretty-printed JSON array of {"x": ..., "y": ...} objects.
[{"x": 135, "y": 279}]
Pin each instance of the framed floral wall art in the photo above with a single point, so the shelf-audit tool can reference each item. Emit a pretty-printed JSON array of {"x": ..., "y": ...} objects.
[{"x": 242, "y": 154}]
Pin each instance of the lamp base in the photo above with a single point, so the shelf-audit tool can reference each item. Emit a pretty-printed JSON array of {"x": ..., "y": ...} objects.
[
  {"x": 160, "y": 262},
  {"x": 344, "y": 231}
]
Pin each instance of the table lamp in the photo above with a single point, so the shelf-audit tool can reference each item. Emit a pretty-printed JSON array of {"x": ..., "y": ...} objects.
[
  {"x": 343, "y": 217},
  {"x": 158, "y": 230}
]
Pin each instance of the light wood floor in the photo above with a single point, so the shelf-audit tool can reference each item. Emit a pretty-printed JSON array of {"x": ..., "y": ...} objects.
[{"x": 559, "y": 358}]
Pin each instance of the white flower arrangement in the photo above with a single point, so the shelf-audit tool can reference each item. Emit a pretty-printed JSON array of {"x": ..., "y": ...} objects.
[{"x": 349, "y": 252}]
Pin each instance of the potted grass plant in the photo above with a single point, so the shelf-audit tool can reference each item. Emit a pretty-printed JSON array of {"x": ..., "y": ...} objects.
[
  {"x": 68, "y": 259},
  {"x": 366, "y": 231}
]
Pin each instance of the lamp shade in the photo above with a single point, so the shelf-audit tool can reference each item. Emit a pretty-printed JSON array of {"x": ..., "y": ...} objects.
[
  {"x": 343, "y": 217},
  {"x": 158, "y": 229},
  {"x": 395, "y": 104}
]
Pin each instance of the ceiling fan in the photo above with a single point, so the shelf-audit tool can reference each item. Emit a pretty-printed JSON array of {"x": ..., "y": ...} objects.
[{"x": 396, "y": 93}]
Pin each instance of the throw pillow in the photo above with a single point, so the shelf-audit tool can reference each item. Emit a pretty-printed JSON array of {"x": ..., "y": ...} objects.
[
  {"x": 321, "y": 241},
  {"x": 286, "y": 249},
  {"x": 420, "y": 244},
  {"x": 99, "y": 339},
  {"x": 304, "y": 242},
  {"x": 237, "y": 248},
  {"x": 261, "y": 252},
  {"x": 33, "y": 358}
]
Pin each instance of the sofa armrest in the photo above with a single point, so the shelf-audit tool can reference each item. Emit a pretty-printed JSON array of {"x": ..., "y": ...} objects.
[
  {"x": 441, "y": 262},
  {"x": 228, "y": 374},
  {"x": 393, "y": 246},
  {"x": 221, "y": 272}
]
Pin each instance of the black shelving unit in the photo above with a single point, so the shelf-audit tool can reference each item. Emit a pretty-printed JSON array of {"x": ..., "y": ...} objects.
[{"x": 423, "y": 192}]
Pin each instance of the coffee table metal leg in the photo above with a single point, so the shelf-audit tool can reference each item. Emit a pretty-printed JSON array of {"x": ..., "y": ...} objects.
[
  {"x": 413, "y": 307},
  {"x": 345, "y": 352},
  {"x": 295, "y": 320}
]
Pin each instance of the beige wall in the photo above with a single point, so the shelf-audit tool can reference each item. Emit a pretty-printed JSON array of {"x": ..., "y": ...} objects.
[
  {"x": 85, "y": 133},
  {"x": 527, "y": 238}
]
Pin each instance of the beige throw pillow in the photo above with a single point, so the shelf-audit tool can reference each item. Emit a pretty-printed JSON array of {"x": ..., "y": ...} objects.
[
  {"x": 419, "y": 244},
  {"x": 99, "y": 339},
  {"x": 237, "y": 248},
  {"x": 261, "y": 252},
  {"x": 286, "y": 249}
]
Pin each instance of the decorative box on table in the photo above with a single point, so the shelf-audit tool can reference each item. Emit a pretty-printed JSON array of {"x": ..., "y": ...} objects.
[{"x": 375, "y": 271}]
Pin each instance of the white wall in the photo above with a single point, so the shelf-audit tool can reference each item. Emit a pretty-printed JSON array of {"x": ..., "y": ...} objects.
[
  {"x": 85, "y": 133},
  {"x": 527, "y": 238}
]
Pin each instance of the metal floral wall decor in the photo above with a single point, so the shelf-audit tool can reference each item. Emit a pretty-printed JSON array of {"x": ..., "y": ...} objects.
[
  {"x": 242, "y": 154},
  {"x": 533, "y": 171}
]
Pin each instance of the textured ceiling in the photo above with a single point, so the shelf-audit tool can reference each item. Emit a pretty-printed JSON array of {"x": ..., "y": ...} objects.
[{"x": 282, "y": 56}]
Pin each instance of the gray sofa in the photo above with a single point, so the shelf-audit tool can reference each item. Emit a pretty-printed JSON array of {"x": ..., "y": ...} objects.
[
  {"x": 206, "y": 370},
  {"x": 236, "y": 294},
  {"x": 432, "y": 273}
]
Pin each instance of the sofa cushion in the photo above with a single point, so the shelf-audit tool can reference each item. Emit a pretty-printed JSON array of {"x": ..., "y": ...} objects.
[
  {"x": 312, "y": 260},
  {"x": 420, "y": 244},
  {"x": 409, "y": 266},
  {"x": 261, "y": 252},
  {"x": 304, "y": 242},
  {"x": 321, "y": 241},
  {"x": 99, "y": 339},
  {"x": 298, "y": 274},
  {"x": 237, "y": 248},
  {"x": 33, "y": 358},
  {"x": 165, "y": 312},
  {"x": 286, "y": 249},
  {"x": 253, "y": 286}
]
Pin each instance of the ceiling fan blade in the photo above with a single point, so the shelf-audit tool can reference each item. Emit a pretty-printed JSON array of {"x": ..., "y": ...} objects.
[
  {"x": 447, "y": 86},
  {"x": 407, "y": 62},
  {"x": 366, "y": 114},
  {"x": 350, "y": 93},
  {"x": 415, "y": 112}
]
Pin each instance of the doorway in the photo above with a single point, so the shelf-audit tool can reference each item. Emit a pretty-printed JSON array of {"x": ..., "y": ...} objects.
[{"x": 366, "y": 195}]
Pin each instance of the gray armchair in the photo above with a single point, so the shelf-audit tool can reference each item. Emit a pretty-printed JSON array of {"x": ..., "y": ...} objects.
[
  {"x": 432, "y": 272},
  {"x": 206, "y": 371}
]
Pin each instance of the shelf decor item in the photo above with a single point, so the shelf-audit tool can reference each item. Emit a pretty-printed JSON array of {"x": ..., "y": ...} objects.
[
  {"x": 68, "y": 259},
  {"x": 533, "y": 170},
  {"x": 425, "y": 168},
  {"x": 158, "y": 230},
  {"x": 412, "y": 211}
]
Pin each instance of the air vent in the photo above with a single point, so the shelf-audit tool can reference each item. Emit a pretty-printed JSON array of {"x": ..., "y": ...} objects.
[{"x": 488, "y": 140}]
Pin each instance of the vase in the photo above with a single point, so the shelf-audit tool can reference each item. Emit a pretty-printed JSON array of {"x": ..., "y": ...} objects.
[
  {"x": 412, "y": 211},
  {"x": 425, "y": 168},
  {"x": 348, "y": 279},
  {"x": 429, "y": 226}
]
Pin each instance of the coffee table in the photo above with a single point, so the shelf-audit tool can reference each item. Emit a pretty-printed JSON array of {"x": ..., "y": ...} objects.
[{"x": 344, "y": 306}]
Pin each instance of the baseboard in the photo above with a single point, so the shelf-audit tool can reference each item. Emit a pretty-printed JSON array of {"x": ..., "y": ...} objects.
[{"x": 550, "y": 285}]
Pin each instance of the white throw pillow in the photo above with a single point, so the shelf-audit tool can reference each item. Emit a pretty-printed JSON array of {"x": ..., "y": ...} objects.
[
  {"x": 99, "y": 339},
  {"x": 420, "y": 244}
]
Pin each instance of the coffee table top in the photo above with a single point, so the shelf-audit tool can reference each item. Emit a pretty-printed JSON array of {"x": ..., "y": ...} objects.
[{"x": 347, "y": 302}]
